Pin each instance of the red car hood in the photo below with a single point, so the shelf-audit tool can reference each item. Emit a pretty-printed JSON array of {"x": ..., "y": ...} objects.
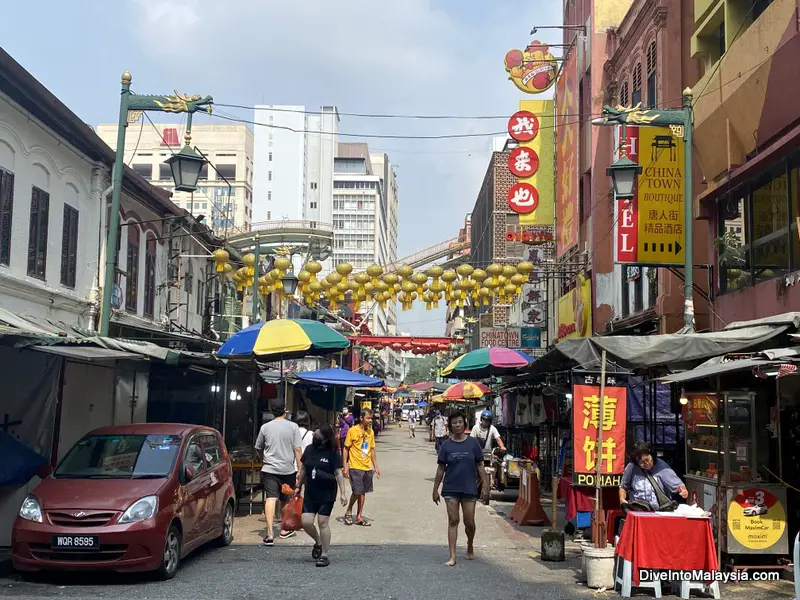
[{"x": 94, "y": 494}]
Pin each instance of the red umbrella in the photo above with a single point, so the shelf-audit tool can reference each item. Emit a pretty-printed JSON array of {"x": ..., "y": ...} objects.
[{"x": 466, "y": 390}]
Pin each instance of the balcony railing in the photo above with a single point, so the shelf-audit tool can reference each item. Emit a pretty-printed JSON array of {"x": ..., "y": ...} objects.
[{"x": 290, "y": 224}]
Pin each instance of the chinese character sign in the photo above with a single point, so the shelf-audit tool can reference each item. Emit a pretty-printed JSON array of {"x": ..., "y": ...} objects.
[
  {"x": 650, "y": 227},
  {"x": 567, "y": 132},
  {"x": 587, "y": 416},
  {"x": 533, "y": 198}
]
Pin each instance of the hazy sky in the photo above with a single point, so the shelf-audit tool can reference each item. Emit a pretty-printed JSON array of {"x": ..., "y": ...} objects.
[{"x": 401, "y": 57}]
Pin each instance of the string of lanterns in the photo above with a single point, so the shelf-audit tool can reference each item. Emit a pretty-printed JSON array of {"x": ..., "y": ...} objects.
[{"x": 461, "y": 287}]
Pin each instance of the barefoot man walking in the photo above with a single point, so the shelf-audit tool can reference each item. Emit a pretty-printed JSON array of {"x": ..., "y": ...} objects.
[{"x": 360, "y": 465}]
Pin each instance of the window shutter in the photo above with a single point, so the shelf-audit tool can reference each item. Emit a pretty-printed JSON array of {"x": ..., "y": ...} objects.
[
  {"x": 6, "y": 214},
  {"x": 637, "y": 78},
  {"x": 651, "y": 59}
]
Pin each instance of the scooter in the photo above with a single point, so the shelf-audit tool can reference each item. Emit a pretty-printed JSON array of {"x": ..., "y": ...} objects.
[{"x": 493, "y": 464}]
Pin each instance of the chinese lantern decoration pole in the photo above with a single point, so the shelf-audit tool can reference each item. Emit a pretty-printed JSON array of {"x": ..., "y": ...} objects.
[{"x": 600, "y": 536}]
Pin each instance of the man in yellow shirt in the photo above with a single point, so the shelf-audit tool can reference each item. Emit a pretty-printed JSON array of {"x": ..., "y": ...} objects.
[{"x": 359, "y": 465}]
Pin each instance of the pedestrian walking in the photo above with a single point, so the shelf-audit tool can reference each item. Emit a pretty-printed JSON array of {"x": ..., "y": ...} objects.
[
  {"x": 306, "y": 435},
  {"x": 321, "y": 474},
  {"x": 398, "y": 416},
  {"x": 412, "y": 422},
  {"x": 460, "y": 467},
  {"x": 439, "y": 430},
  {"x": 279, "y": 441},
  {"x": 345, "y": 423},
  {"x": 360, "y": 465}
]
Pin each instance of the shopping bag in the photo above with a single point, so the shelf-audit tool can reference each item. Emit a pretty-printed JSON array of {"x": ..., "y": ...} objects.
[{"x": 293, "y": 515}]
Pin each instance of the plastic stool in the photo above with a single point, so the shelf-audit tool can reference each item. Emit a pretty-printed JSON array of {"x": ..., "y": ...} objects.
[
  {"x": 687, "y": 586},
  {"x": 623, "y": 572}
]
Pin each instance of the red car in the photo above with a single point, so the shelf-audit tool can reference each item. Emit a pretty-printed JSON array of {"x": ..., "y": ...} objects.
[{"x": 129, "y": 498}]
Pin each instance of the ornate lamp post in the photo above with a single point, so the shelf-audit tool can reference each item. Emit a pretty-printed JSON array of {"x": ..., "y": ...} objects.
[
  {"x": 624, "y": 171},
  {"x": 185, "y": 167}
]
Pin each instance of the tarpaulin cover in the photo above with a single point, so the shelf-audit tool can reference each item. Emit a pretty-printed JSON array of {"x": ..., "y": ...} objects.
[
  {"x": 639, "y": 402},
  {"x": 336, "y": 376},
  {"x": 677, "y": 351},
  {"x": 20, "y": 463}
]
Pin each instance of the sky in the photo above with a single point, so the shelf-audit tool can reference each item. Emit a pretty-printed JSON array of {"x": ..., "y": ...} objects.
[{"x": 401, "y": 57}]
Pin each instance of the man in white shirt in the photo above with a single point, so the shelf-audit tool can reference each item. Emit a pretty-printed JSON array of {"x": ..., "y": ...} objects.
[
  {"x": 486, "y": 433},
  {"x": 279, "y": 441},
  {"x": 412, "y": 422},
  {"x": 439, "y": 429}
]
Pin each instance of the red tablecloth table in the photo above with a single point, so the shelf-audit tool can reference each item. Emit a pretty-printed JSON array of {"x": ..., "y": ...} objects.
[
  {"x": 581, "y": 498},
  {"x": 652, "y": 541}
]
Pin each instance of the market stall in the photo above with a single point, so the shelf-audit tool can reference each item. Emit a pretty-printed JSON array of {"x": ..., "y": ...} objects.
[{"x": 735, "y": 452}]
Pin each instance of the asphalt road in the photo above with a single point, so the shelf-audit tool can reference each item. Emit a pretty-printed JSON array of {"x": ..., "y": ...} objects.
[{"x": 400, "y": 557}]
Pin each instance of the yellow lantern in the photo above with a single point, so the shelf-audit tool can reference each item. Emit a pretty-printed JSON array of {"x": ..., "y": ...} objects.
[
  {"x": 283, "y": 264},
  {"x": 407, "y": 286},
  {"x": 333, "y": 278},
  {"x": 314, "y": 267},
  {"x": 221, "y": 259},
  {"x": 484, "y": 294},
  {"x": 228, "y": 268},
  {"x": 369, "y": 289},
  {"x": 509, "y": 271},
  {"x": 405, "y": 271},
  {"x": 249, "y": 260},
  {"x": 403, "y": 298},
  {"x": 315, "y": 288},
  {"x": 465, "y": 270},
  {"x": 391, "y": 279},
  {"x": 434, "y": 273},
  {"x": 494, "y": 270},
  {"x": 510, "y": 290},
  {"x": 374, "y": 271},
  {"x": 428, "y": 298},
  {"x": 419, "y": 279},
  {"x": 435, "y": 298},
  {"x": 526, "y": 268},
  {"x": 436, "y": 287},
  {"x": 518, "y": 279},
  {"x": 411, "y": 299},
  {"x": 449, "y": 277},
  {"x": 342, "y": 287},
  {"x": 344, "y": 269},
  {"x": 456, "y": 297}
]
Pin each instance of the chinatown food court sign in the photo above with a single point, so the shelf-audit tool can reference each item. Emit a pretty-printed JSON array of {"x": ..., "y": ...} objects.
[{"x": 587, "y": 416}]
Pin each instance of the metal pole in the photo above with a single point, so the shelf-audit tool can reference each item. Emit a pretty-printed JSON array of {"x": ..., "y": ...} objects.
[
  {"x": 113, "y": 224},
  {"x": 600, "y": 529},
  {"x": 256, "y": 275},
  {"x": 688, "y": 205},
  {"x": 225, "y": 404}
]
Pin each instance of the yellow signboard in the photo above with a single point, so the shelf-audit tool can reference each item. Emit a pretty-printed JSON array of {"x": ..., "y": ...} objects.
[
  {"x": 660, "y": 197},
  {"x": 543, "y": 179},
  {"x": 575, "y": 311}
]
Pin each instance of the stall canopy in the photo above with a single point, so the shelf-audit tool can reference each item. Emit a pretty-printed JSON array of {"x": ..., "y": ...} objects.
[
  {"x": 731, "y": 363},
  {"x": 338, "y": 376},
  {"x": 674, "y": 351}
]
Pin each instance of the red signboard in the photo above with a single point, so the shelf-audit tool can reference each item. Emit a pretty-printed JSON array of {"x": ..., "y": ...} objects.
[
  {"x": 567, "y": 154},
  {"x": 170, "y": 137},
  {"x": 523, "y": 198},
  {"x": 587, "y": 417},
  {"x": 523, "y": 126},
  {"x": 628, "y": 211},
  {"x": 523, "y": 162}
]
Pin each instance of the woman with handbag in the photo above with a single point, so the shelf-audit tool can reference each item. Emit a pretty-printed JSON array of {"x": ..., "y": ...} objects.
[
  {"x": 649, "y": 484},
  {"x": 320, "y": 473}
]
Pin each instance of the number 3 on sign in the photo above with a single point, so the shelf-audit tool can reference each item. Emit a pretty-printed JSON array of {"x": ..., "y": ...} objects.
[{"x": 759, "y": 497}]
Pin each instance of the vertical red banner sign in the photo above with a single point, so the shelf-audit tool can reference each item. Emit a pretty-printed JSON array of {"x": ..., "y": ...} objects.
[
  {"x": 587, "y": 417},
  {"x": 628, "y": 210},
  {"x": 567, "y": 154}
]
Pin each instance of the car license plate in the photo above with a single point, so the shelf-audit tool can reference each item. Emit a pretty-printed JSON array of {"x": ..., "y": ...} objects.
[{"x": 76, "y": 542}]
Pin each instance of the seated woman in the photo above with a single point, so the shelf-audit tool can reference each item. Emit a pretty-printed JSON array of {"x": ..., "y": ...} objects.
[{"x": 648, "y": 483}]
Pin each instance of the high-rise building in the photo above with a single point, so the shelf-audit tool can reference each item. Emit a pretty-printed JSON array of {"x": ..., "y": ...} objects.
[
  {"x": 294, "y": 151},
  {"x": 225, "y": 188}
]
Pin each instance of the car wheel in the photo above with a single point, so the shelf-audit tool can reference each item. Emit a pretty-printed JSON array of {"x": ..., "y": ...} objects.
[
  {"x": 227, "y": 526},
  {"x": 172, "y": 554}
]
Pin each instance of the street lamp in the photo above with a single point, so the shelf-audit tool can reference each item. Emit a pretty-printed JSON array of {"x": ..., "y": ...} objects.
[
  {"x": 185, "y": 167},
  {"x": 289, "y": 283},
  {"x": 623, "y": 174},
  {"x": 679, "y": 121}
]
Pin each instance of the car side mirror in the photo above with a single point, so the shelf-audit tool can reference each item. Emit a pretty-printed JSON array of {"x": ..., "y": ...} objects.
[{"x": 188, "y": 472}]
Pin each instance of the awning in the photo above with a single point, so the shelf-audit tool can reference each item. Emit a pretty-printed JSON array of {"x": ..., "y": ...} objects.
[
  {"x": 338, "y": 376},
  {"x": 704, "y": 371},
  {"x": 88, "y": 353}
]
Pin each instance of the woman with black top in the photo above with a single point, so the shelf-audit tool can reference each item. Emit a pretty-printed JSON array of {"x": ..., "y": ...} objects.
[
  {"x": 320, "y": 473},
  {"x": 460, "y": 466}
]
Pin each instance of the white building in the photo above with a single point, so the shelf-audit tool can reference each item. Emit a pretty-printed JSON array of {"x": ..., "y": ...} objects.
[
  {"x": 294, "y": 152},
  {"x": 225, "y": 193},
  {"x": 55, "y": 177}
]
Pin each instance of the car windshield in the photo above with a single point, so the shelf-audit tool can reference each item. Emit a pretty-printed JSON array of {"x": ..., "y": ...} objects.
[
  {"x": 409, "y": 406},
  {"x": 120, "y": 457}
]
